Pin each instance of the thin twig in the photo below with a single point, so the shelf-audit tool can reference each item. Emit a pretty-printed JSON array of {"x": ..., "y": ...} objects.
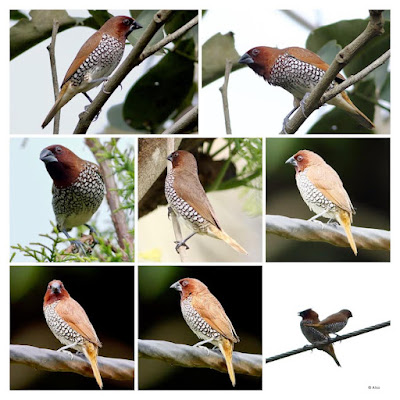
[
  {"x": 331, "y": 340},
  {"x": 174, "y": 218},
  {"x": 55, "y": 361},
  {"x": 52, "y": 53},
  {"x": 186, "y": 120},
  {"x": 224, "y": 92},
  {"x": 197, "y": 357},
  {"x": 373, "y": 29}
]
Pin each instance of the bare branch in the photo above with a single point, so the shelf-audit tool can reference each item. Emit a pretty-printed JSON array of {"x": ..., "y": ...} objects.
[
  {"x": 195, "y": 357},
  {"x": 331, "y": 340},
  {"x": 55, "y": 361},
  {"x": 224, "y": 92},
  {"x": 373, "y": 29},
  {"x": 186, "y": 120},
  {"x": 317, "y": 231}
]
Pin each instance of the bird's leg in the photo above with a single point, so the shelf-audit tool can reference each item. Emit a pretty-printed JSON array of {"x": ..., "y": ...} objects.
[
  {"x": 79, "y": 246},
  {"x": 286, "y": 120},
  {"x": 332, "y": 222},
  {"x": 317, "y": 216},
  {"x": 302, "y": 104},
  {"x": 91, "y": 231},
  {"x": 200, "y": 344},
  {"x": 64, "y": 350},
  {"x": 183, "y": 242},
  {"x": 170, "y": 211},
  {"x": 105, "y": 91},
  {"x": 86, "y": 107}
]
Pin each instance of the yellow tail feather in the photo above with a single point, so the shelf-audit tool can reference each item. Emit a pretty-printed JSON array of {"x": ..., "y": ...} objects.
[
  {"x": 226, "y": 348},
  {"x": 345, "y": 222},
  {"x": 227, "y": 239},
  {"x": 91, "y": 354}
]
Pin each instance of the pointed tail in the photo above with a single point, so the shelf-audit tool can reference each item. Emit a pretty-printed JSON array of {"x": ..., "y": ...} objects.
[
  {"x": 227, "y": 239},
  {"x": 329, "y": 349},
  {"x": 62, "y": 99},
  {"x": 90, "y": 351},
  {"x": 345, "y": 220},
  {"x": 226, "y": 347}
]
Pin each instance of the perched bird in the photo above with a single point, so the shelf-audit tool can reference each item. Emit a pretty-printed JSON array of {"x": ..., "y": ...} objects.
[
  {"x": 323, "y": 191},
  {"x": 188, "y": 200},
  {"x": 313, "y": 335},
  {"x": 334, "y": 323},
  {"x": 78, "y": 188},
  {"x": 95, "y": 61},
  {"x": 70, "y": 324},
  {"x": 298, "y": 71},
  {"x": 207, "y": 319}
]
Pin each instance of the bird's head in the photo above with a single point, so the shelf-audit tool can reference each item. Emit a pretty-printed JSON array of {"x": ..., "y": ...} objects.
[
  {"x": 346, "y": 313},
  {"x": 189, "y": 287},
  {"x": 120, "y": 27},
  {"x": 183, "y": 159},
  {"x": 308, "y": 314},
  {"x": 55, "y": 291},
  {"x": 260, "y": 59},
  {"x": 303, "y": 159}
]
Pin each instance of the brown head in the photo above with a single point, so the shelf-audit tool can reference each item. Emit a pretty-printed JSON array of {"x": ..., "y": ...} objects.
[
  {"x": 183, "y": 159},
  {"x": 346, "y": 313},
  {"x": 62, "y": 164},
  {"x": 55, "y": 291},
  {"x": 309, "y": 314},
  {"x": 261, "y": 59},
  {"x": 189, "y": 286},
  {"x": 120, "y": 27},
  {"x": 305, "y": 158}
]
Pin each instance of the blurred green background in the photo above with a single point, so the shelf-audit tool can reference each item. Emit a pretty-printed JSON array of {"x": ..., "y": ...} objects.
[
  {"x": 106, "y": 295},
  {"x": 364, "y": 168},
  {"x": 160, "y": 318}
]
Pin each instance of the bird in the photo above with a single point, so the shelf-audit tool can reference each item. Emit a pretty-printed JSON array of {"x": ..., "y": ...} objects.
[
  {"x": 334, "y": 323},
  {"x": 207, "y": 319},
  {"x": 78, "y": 189},
  {"x": 322, "y": 190},
  {"x": 95, "y": 61},
  {"x": 313, "y": 335},
  {"x": 188, "y": 200},
  {"x": 70, "y": 325},
  {"x": 298, "y": 71}
]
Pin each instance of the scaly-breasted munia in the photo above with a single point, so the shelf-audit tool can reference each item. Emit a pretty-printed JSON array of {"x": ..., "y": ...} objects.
[
  {"x": 95, "y": 61},
  {"x": 298, "y": 71},
  {"x": 334, "y": 323},
  {"x": 70, "y": 324},
  {"x": 323, "y": 191},
  {"x": 188, "y": 200},
  {"x": 313, "y": 335},
  {"x": 78, "y": 188},
  {"x": 207, "y": 319}
]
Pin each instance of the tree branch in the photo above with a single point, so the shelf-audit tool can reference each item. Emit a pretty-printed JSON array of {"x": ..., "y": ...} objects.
[
  {"x": 224, "y": 93},
  {"x": 331, "y": 340},
  {"x": 186, "y": 120},
  {"x": 198, "y": 357},
  {"x": 312, "y": 231},
  {"x": 373, "y": 29},
  {"x": 55, "y": 361}
]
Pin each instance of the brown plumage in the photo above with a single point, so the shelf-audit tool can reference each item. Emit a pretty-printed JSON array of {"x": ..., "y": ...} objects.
[
  {"x": 187, "y": 198},
  {"x": 70, "y": 324},
  {"x": 334, "y": 323},
  {"x": 207, "y": 318},
  {"x": 298, "y": 71},
  {"x": 313, "y": 335},
  {"x": 322, "y": 190},
  {"x": 95, "y": 61}
]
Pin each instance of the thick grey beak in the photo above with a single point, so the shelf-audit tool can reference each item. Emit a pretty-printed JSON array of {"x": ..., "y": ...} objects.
[
  {"x": 56, "y": 288},
  {"x": 169, "y": 158},
  {"x": 47, "y": 156},
  {"x": 246, "y": 59},
  {"x": 292, "y": 161},
  {"x": 177, "y": 286}
]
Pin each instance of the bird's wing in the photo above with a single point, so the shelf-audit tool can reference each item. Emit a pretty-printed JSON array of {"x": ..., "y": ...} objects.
[
  {"x": 75, "y": 316},
  {"x": 330, "y": 185},
  {"x": 212, "y": 312},
  {"x": 189, "y": 188}
]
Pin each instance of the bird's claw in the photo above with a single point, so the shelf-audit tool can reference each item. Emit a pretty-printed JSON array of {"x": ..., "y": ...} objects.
[
  {"x": 180, "y": 244},
  {"x": 79, "y": 247},
  {"x": 66, "y": 352}
]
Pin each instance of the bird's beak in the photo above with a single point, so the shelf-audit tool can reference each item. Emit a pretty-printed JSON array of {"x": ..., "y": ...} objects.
[
  {"x": 246, "y": 59},
  {"x": 56, "y": 288},
  {"x": 135, "y": 25},
  {"x": 292, "y": 161},
  {"x": 177, "y": 286},
  {"x": 47, "y": 156},
  {"x": 169, "y": 158}
]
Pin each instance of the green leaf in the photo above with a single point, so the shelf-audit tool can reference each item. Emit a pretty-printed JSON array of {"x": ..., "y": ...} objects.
[
  {"x": 215, "y": 52},
  {"x": 179, "y": 19},
  {"x": 157, "y": 94},
  {"x": 16, "y": 15}
]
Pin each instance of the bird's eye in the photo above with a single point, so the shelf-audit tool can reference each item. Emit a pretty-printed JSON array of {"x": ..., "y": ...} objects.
[
  {"x": 126, "y": 21},
  {"x": 58, "y": 149},
  {"x": 255, "y": 52},
  {"x": 299, "y": 158},
  {"x": 184, "y": 283}
]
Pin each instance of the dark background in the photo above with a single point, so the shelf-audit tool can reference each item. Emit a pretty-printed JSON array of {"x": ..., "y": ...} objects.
[
  {"x": 363, "y": 166},
  {"x": 107, "y": 296},
  {"x": 238, "y": 289}
]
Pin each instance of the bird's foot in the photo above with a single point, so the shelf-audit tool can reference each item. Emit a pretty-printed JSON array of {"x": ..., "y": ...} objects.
[
  {"x": 333, "y": 223},
  {"x": 66, "y": 352},
  {"x": 302, "y": 104},
  {"x": 179, "y": 244},
  {"x": 79, "y": 247},
  {"x": 92, "y": 231}
]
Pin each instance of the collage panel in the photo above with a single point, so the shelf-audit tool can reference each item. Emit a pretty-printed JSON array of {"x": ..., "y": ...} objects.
[
  {"x": 210, "y": 310},
  {"x": 83, "y": 310},
  {"x": 333, "y": 179},
  {"x": 81, "y": 200},
  {"x": 229, "y": 170}
]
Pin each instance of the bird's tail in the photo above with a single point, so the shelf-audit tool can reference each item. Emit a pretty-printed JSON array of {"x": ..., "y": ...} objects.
[
  {"x": 220, "y": 234},
  {"x": 62, "y": 99},
  {"x": 329, "y": 349},
  {"x": 343, "y": 101},
  {"x": 226, "y": 347},
  {"x": 345, "y": 220},
  {"x": 90, "y": 351}
]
